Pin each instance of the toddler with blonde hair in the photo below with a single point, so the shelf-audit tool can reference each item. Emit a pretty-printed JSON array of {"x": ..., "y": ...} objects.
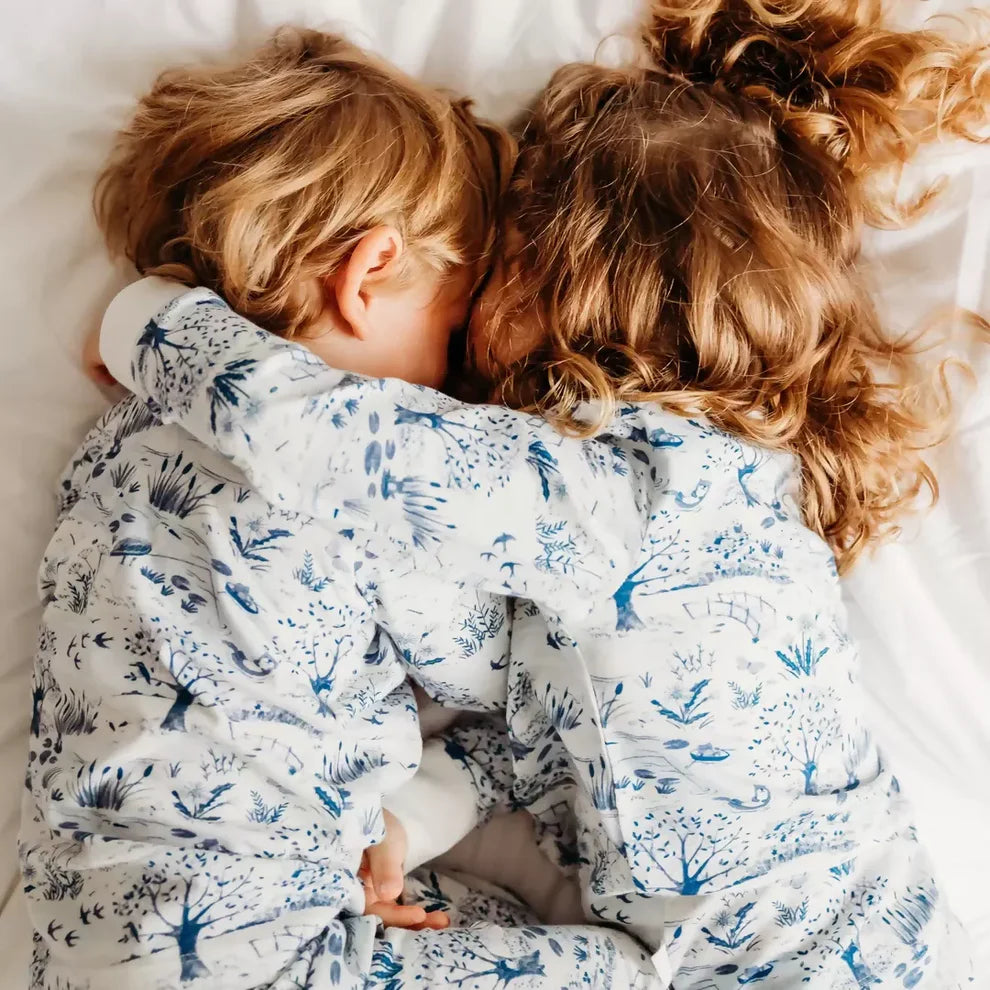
[{"x": 220, "y": 694}]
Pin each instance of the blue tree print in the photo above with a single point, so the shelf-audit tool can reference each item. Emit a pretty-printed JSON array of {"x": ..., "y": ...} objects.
[
  {"x": 187, "y": 684},
  {"x": 42, "y": 683},
  {"x": 861, "y": 901},
  {"x": 188, "y": 907},
  {"x": 751, "y": 460},
  {"x": 689, "y": 855},
  {"x": 470, "y": 961},
  {"x": 440, "y": 425},
  {"x": 803, "y": 728},
  {"x": 656, "y": 567}
]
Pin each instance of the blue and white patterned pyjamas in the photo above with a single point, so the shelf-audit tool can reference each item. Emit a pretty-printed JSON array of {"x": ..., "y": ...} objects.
[{"x": 682, "y": 701}]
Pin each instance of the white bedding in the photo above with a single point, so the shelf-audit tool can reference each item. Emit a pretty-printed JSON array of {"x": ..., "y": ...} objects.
[{"x": 68, "y": 75}]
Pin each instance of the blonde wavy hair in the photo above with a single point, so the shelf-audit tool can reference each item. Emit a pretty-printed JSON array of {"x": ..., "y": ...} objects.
[
  {"x": 687, "y": 231},
  {"x": 252, "y": 179}
]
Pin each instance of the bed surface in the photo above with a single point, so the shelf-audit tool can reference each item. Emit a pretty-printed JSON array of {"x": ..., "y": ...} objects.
[{"x": 69, "y": 73}]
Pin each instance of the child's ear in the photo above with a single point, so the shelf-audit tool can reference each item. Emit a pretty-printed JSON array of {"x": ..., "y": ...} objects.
[{"x": 371, "y": 265}]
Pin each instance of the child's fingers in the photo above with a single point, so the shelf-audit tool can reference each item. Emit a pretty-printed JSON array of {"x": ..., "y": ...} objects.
[
  {"x": 398, "y": 915},
  {"x": 434, "y": 920},
  {"x": 386, "y": 867}
]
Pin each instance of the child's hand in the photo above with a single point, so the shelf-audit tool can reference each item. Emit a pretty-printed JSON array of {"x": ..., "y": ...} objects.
[
  {"x": 93, "y": 364},
  {"x": 383, "y": 874}
]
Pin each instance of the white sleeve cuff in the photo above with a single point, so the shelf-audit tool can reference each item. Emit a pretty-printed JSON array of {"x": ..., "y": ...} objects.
[
  {"x": 127, "y": 316},
  {"x": 437, "y": 806}
]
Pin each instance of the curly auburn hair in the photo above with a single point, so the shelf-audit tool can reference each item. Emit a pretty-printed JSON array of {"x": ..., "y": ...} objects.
[
  {"x": 251, "y": 179},
  {"x": 687, "y": 230}
]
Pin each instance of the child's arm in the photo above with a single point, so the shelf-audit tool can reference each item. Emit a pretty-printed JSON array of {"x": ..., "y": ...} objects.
[
  {"x": 478, "y": 494},
  {"x": 464, "y": 777}
]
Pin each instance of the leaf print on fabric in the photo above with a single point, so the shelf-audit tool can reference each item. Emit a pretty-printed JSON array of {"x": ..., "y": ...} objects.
[
  {"x": 730, "y": 933},
  {"x": 484, "y": 622},
  {"x": 199, "y": 806},
  {"x": 308, "y": 577},
  {"x": 250, "y": 547},
  {"x": 107, "y": 788},
  {"x": 176, "y": 488},
  {"x": 264, "y": 813},
  {"x": 683, "y": 706},
  {"x": 74, "y": 714},
  {"x": 225, "y": 393},
  {"x": 801, "y": 659},
  {"x": 546, "y": 467}
]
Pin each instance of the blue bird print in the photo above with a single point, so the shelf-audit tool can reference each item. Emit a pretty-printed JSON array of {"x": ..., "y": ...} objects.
[{"x": 503, "y": 540}]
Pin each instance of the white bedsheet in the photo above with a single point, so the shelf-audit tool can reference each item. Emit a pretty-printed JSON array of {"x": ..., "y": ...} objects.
[{"x": 69, "y": 73}]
